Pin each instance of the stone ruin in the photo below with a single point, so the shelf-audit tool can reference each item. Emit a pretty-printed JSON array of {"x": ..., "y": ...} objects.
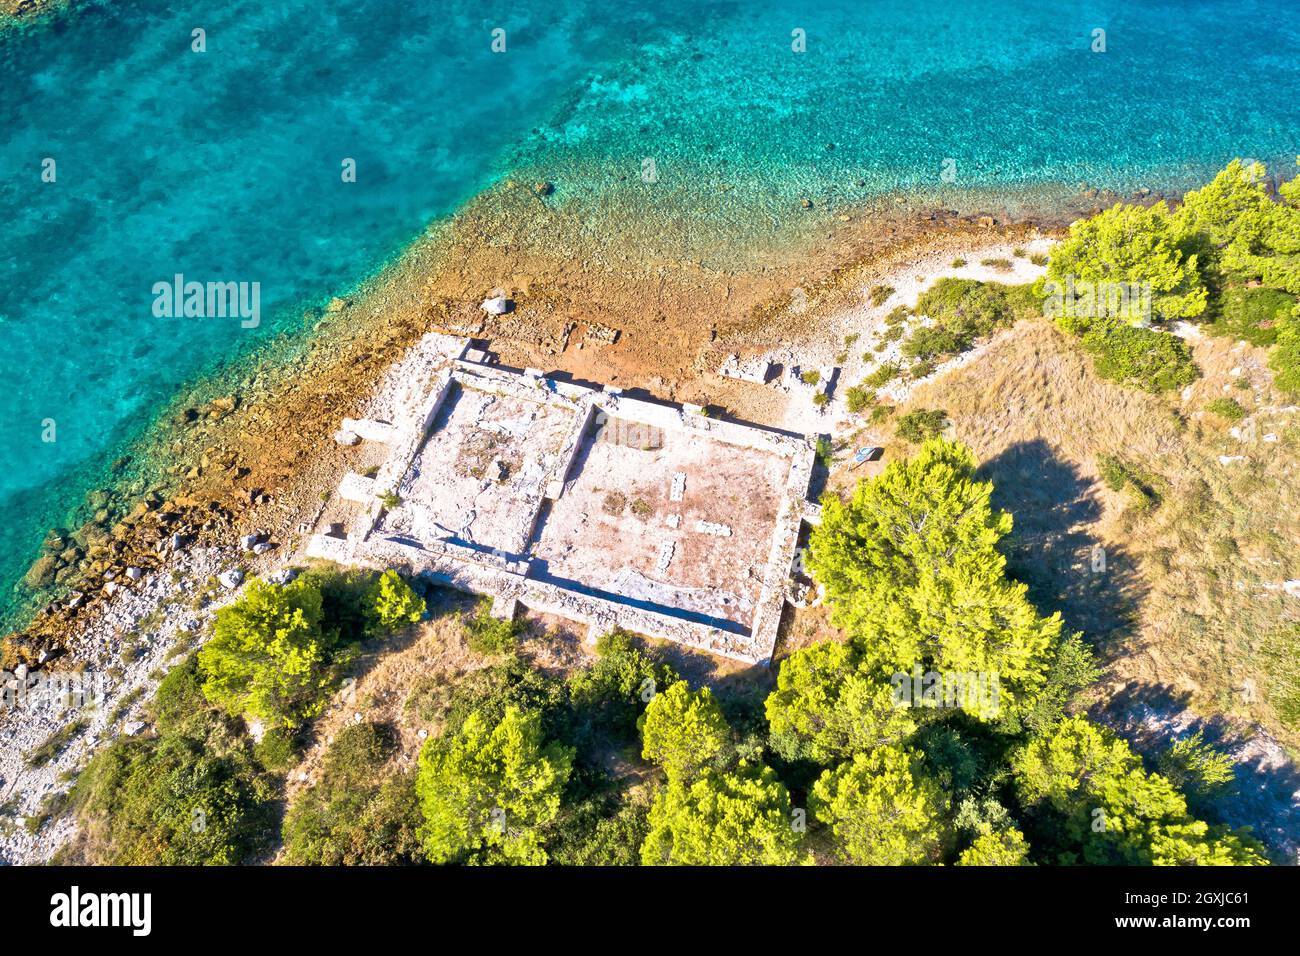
[{"x": 577, "y": 501}]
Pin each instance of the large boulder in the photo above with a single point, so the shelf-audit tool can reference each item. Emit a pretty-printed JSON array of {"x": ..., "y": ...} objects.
[{"x": 497, "y": 305}]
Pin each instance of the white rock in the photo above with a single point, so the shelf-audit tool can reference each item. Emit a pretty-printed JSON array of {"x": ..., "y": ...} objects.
[
  {"x": 247, "y": 541},
  {"x": 132, "y": 727},
  {"x": 135, "y": 574},
  {"x": 1292, "y": 587},
  {"x": 283, "y": 576},
  {"x": 231, "y": 579},
  {"x": 262, "y": 547},
  {"x": 345, "y": 437},
  {"x": 177, "y": 541},
  {"x": 1230, "y": 459},
  {"x": 497, "y": 305}
]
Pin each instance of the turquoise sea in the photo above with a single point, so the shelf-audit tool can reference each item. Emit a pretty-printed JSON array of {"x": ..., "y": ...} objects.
[{"x": 225, "y": 165}]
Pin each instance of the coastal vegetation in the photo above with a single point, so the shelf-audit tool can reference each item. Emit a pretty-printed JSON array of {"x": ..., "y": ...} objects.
[
  {"x": 1227, "y": 259},
  {"x": 620, "y": 761}
]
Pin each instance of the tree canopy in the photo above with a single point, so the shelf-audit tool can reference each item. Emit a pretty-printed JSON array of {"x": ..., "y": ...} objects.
[
  {"x": 1133, "y": 245},
  {"x": 882, "y": 809},
  {"x": 996, "y": 848},
  {"x": 267, "y": 658},
  {"x": 828, "y": 706},
  {"x": 723, "y": 818},
  {"x": 491, "y": 789},
  {"x": 914, "y": 577},
  {"x": 685, "y": 732},
  {"x": 1090, "y": 792}
]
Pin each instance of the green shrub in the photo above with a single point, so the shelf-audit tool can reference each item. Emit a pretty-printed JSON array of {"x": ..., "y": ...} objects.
[
  {"x": 921, "y": 369},
  {"x": 1002, "y": 265},
  {"x": 958, "y": 263},
  {"x": 1038, "y": 259},
  {"x": 810, "y": 377},
  {"x": 603, "y": 830},
  {"x": 1118, "y": 475},
  {"x": 857, "y": 398},
  {"x": 1151, "y": 360},
  {"x": 965, "y": 305},
  {"x": 821, "y": 399},
  {"x": 607, "y": 698},
  {"x": 486, "y": 634},
  {"x": 1285, "y": 357},
  {"x": 1114, "y": 472},
  {"x": 1022, "y": 303},
  {"x": 1226, "y": 408},
  {"x": 933, "y": 341},
  {"x": 193, "y": 795},
  {"x": 882, "y": 375},
  {"x": 897, "y": 315},
  {"x": 880, "y": 413},
  {"x": 277, "y": 751},
  {"x": 880, "y": 293},
  {"x": 391, "y": 603},
  {"x": 1250, "y": 314},
  {"x": 921, "y": 423},
  {"x": 355, "y": 814}
]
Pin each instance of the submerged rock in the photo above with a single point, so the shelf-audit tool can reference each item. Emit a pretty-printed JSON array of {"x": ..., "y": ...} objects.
[{"x": 42, "y": 571}]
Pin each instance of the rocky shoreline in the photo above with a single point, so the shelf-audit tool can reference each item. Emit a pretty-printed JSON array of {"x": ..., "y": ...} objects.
[
  {"x": 250, "y": 453},
  {"x": 229, "y": 455}
]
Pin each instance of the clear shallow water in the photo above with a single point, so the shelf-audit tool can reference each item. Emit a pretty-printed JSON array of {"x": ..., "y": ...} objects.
[{"x": 226, "y": 165}]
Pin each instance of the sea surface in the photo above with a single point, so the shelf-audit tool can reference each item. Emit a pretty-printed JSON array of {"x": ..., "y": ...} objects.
[{"x": 228, "y": 165}]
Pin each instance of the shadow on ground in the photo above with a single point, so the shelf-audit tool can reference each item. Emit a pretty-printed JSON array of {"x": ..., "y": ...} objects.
[
  {"x": 1052, "y": 550},
  {"x": 1265, "y": 794}
]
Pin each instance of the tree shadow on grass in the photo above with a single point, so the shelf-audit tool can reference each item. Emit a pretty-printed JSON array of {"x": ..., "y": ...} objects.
[{"x": 1051, "y": 547}]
